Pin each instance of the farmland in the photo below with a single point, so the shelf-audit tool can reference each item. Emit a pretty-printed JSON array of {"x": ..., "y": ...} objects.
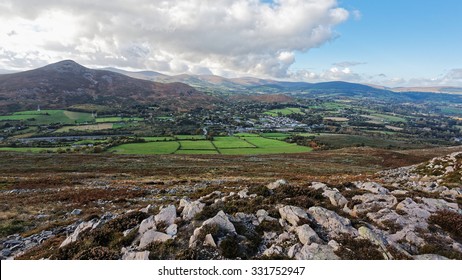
[{"x": 48, "y": 117}]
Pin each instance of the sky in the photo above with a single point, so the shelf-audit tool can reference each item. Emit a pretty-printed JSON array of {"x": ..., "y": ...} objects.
[{"x": 385, "y": 42}]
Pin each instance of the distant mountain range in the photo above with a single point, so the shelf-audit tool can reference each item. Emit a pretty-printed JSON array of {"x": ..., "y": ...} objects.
[
  {"x": 67, "y": 83},
  {"x": 213, "y": 83}
]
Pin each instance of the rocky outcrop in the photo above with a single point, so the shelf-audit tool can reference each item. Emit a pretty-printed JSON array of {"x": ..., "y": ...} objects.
[
  {"x": 166, "y": 215},
  {"x": 292, "y": 214},
  {"x": 334, "y": 224}
]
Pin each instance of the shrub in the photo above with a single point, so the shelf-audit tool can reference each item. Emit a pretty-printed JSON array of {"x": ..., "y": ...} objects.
[
  {"x": 357, "y": 249},
  {"x": 449, "y": 221}
]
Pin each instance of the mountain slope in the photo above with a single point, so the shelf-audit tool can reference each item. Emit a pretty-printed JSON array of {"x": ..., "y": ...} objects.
[{"x": 67, "y": 83}]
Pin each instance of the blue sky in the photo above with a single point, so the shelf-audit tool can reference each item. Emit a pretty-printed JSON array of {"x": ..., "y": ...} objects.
[
  {"x": 385, "y": 42},
  {"x": 406, "y": 39}
]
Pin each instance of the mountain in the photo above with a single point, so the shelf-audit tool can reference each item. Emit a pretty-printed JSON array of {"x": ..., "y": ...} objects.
[{"x": 67, "y": 83}]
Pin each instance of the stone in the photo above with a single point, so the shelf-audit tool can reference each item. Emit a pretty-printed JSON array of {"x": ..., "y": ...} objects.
[
  {"x": 75, "y": 235},
  {"x": 172, "y": 230},
  {"x": 222, "y": 221},
  {"x": 76, "y": 212},
  {"x": 399, "y": 192},
  {"x": 317, "y": 186},
  {"x": 209, "y": 241},
  {"x": 146, "y": 209},
  {"x": 376, "y": 238},
  {"x": 372, "y": 187},
  {"x": 294, "y": 250},
  {"x": 335, "y": 197},
  {"x": 293, "y": 214},
  {"x": 263, "y": 215},
  {"x": 439, "y": 204},
  {"x": 334, "y": 224},
  {"x": 307, "y": 235},
  {"x": 413, "y": 209},
  {"x": 372, "y": 203},
  {"x": 429, "y": 257},
  {"x": 5, "y": 253},
  {"x": 191, "y": 209},
  {"x": 147, "y": 224},
  {"x": 243, "y": 193},
  {"x": 285, "y": 236},
  {"x": 334, "y": 245},
  {"x": 385, "y": 216},
  {"x": 409, "y": 235},
  {"x": 273, "y": 250},
  {"x": 167, "y": 215},
  {"x": 277, "y": 184},
  {"x": 315, "y": 251},
  {"x": 138, "y": 256},
  {"x": 152, "y": 236}
]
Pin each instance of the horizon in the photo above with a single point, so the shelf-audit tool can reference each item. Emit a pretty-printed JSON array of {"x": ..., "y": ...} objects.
[{"x": 297, "y": 40}]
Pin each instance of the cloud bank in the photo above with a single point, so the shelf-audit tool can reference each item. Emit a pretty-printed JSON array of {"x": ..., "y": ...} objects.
[{"x": 224, "y": 37}]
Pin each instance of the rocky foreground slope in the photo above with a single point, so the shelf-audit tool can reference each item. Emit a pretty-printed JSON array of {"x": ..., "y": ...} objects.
[{"x": 406, "y": 213}]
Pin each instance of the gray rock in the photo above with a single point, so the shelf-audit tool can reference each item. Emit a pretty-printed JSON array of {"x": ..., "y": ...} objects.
[
  {"x": 172, "y": 230},
  {"x": 413, "y": 209},
  {"x": 277, "y": 184},
  {"x": 439, "y": 204},
  {"x": 372, "y": 203},
  {"x": 146, "y": 209},
  {"x": 429, "y": 257},
  {"x": 372, "y": 187},
  {"x": 243, "y": 193},
  {"x": 334, "y": 224},
  {"x": 222, "y": 221},
  {"x": 376, "y": 238},
  {"x": 209, "y": 241},
  {"x": 75, "y": 235},
  {"x": 335, "y": 197},
  {"x": 147, "y": 224},
  {"x": 273, "y": 250},
  {"x": 307, "y": 235},
  {"x": 152, "y": 236},
  {"x": 191, "y": 209},
  {"x": 293, "y": 214},
  {"x": 315, "y": 251},
  {"x": 138, "y": 256},
  {"x": 167, "y": 215},
  {"x": 76, "y": 212},
  {"x": 5, "y": 253},
  {"x": 317, "y": 186}
]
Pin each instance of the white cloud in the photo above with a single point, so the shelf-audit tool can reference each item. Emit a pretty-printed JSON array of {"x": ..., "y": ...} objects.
[{"x": 241, "y": 37}]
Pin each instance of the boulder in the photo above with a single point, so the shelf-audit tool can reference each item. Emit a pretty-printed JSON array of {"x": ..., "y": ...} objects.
[
  {"x": 335, "y": 197},
  {"x": 191, "y": 209},
  {"x": 243, "y": 193},
  {"x": 167, "y": 215},
  {"x": 376, "y": 238},
  {"x": 209, "y": 241},
  {"x": 138, "y": 256},
  {"x": 152, "y": 236},
  {"x": 307, "y": 235},
  {"x": 334, "y": 224},
  {"x": 76, "y": 212},
  {"x": 222, "y": 221},
  {"x": 172, "y": 230},
  {"x": 277, "y": 184},
  {"x": 146, "y": 209},
  {"x": 413, "y": 209},
  {"x": 263, "y": 215},
  {"x": 147, "y": 224},
  {"x": 293, "y": 214},
  {"x": 75, "y": 235},
  {"x": 372, "y": 203},
  {"x": 315, "y": 251},
  {"x": 317, "y": 186},
  {"x": 372, "y": 187}
]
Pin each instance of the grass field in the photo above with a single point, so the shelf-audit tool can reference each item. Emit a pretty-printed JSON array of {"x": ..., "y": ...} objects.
[
  {"x": 284, "y": 112},
  {"x": 231, "y": 143},
  {"x": 49, "y": 117},
  {"x": 227, "y": 145},
  {"x": 190, "y": 137},
  {"x": 151, "y": 148},
  {"x": 117, "y": 119},
  {"x": 89, "y": 127},
  {"x": 197, "y": 145},
  {"x": 275, "y": 135},
  {"x": 386, "y": 118}
]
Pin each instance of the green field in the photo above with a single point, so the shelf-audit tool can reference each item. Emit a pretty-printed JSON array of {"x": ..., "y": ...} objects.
[
  {"x": 196, "y": 145},
  {"x": 190, "y": 137},
  {"x": 117, "y": 119},
  {"x": 197, "y": 152},
  {"x": 275, "y": 135},
  {"x": 284, "y": 112},
  {"x": 231, "y": 143},
  {"x": 151, "y": 148},
  {"x": 45, "y": 117},
  {"x": 158, "y": 139},
  {"x": 227, "y": 145}
]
